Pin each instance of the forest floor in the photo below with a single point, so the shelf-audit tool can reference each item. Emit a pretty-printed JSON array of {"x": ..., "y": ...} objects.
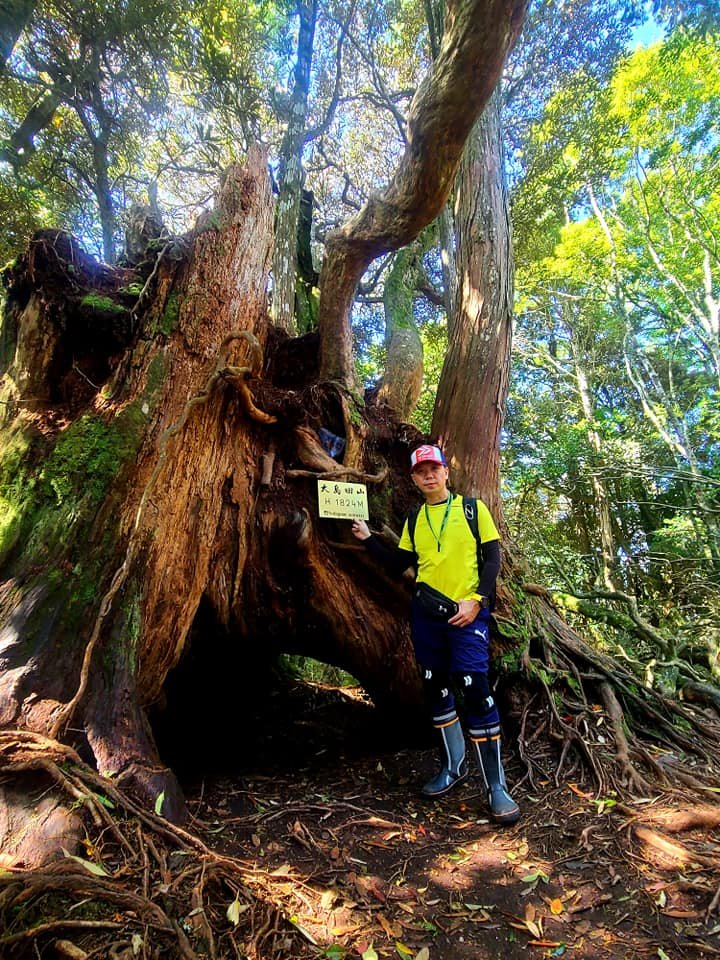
[{"x": 329, "y": 806}]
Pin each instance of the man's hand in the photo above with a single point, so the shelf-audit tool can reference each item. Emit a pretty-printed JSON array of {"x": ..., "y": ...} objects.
[
  {"x": 360, "y": 529},
  {"x": 469, "y": 609}
]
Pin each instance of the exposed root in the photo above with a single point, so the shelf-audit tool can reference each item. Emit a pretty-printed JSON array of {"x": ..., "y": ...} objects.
[
  {"x": 238, "y": 377},
  {"x": 635, "y": 780},
  {"x": 671, "y": 853},
  {"x": 141, "y": 878},
  {"x": 321, "y": 465},
  {"x": 629, "y": 737}
]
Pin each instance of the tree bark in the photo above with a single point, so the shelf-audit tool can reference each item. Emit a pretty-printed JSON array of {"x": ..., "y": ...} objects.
[
  {"x": 149, "y": 512},
  {"x": 292, "y": 176},
  {"x": 608, "y": 561},
  {"x": 14, "y": 15},
  {"x": 401, "y": 382},
  {"x": 147, "y": 546},
  {"x": 470, "y": 402},
  {"x": 476, "y": 41}
]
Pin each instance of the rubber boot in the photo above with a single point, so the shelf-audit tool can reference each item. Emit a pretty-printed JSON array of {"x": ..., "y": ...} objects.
[
  {"x": 503, "y": 808},
  {"x": 456, "y": 768}
]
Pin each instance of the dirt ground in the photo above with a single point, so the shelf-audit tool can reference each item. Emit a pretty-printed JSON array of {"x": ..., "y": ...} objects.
[{"x": 329, "y": 802}]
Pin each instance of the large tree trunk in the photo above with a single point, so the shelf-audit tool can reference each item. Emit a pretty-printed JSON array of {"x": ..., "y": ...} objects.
[
  {"x": 477, "y": 38},
  {"x": 154, "y": 503}
]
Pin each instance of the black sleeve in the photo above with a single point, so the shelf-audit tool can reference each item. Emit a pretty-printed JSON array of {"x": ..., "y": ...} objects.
[
  {"x": 394, "y": 561},
  {"x": 491, "y": 567}
]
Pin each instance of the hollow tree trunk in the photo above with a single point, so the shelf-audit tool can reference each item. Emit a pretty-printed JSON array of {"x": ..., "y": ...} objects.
[{"x": 153, "y": 502}]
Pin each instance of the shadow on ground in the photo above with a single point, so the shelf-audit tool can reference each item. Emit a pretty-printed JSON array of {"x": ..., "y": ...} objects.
[{"x": 318, "y": 789}]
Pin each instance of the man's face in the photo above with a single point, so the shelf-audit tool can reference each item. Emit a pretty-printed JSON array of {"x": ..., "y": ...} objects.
[{"x": 430, "y": 477}]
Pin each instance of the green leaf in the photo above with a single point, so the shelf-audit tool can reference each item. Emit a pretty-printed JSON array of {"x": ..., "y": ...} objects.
[
  {"x": 335, "y": 952},
  {"x": 160, "y": 800},
  {"x": 91, "y": 867},
  {"x": 369, "y": 954}
]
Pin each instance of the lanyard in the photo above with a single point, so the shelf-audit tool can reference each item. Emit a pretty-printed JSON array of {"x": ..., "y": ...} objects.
[{"x": 438, "y": 536}]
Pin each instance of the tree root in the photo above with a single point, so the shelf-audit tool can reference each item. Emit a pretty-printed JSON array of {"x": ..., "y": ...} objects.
[
  {"x": 630, "y": 738},
  {"x": 142, "y": 876},
  {"x": 321, "y": 465}
]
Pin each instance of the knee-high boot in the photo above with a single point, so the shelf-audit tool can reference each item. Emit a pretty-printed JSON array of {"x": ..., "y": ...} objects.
[
  {"x": 486, "y": 740},
  {"x": 455, "y": 768}
]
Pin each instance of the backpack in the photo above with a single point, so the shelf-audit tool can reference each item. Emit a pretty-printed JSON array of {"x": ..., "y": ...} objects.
[{"x": 471, "y": 515}]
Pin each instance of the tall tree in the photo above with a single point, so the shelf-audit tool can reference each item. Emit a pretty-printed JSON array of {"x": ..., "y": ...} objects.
[
  {"x": 131, "y": 500},
  {"x": 291, "y": 174},
  {"x": 99, "y": 75}
]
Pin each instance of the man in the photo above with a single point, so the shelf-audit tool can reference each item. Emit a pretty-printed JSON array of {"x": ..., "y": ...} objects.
[{"x": 450, "y": 623}]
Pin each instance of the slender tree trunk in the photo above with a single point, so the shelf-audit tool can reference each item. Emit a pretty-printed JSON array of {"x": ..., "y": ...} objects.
[
  {"x": 608, "y": 559},
  {"x": 477, "y": 38},
  {"x": 292, "y": 177},
  {"x": 21, "y": 145},
  {"x": 402, "y": 378},
  {"x": 473, "y": 385},
  {"x": 446, "y": 229},
  {"x": 103, "y": 193}
]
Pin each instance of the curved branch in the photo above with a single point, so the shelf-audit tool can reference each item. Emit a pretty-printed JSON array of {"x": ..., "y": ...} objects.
[{"x": 478, "y": 37}]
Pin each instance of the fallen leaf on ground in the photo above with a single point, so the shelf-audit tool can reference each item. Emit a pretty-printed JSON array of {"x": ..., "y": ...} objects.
[{"x": 393, "y": 932}]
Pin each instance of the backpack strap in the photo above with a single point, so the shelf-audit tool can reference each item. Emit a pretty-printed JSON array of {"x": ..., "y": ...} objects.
[
  {"x": 412, "y": 523},
  {"x": 471, "y": 515}
]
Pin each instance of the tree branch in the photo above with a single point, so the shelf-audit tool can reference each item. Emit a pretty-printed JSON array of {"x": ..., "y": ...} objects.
[{"x": 478, "y": 37}]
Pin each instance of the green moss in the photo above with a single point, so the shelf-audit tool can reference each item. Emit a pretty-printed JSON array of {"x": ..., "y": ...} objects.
[
  {"x": 171, "y": 314},
  {"x": 307, "y": 306},
  {"x": 88, "y": 455},
  {"x": 16, "y": 487},
  {"x": 132, "y": 290},
  {"x": 95, "y": 302},
  {"x": 157, "y": 371}
]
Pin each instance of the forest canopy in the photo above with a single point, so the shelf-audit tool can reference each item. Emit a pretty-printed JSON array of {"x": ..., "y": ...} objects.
[
  {"x": 610, "y": 447},
  {"x": 251, "y": 249}
]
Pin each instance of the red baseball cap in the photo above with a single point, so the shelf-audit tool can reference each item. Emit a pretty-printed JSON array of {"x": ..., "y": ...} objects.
[{"x": 426, "y": 454}]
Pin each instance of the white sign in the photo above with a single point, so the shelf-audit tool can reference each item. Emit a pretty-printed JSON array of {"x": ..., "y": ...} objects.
[{"x": 344, "y": 501}]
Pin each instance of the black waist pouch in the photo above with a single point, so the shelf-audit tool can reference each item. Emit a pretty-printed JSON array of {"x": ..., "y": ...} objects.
[{"x": 433, "y": 603}]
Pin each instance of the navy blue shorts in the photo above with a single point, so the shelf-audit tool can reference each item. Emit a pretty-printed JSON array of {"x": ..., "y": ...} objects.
[{"x": 441, "y": 646}]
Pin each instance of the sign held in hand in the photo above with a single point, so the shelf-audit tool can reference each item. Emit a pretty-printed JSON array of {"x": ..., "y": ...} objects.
[{"x": 342, "y": 500}]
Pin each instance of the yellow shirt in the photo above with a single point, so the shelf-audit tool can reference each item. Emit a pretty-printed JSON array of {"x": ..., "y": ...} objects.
[{"x": 452, "y": 569}]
